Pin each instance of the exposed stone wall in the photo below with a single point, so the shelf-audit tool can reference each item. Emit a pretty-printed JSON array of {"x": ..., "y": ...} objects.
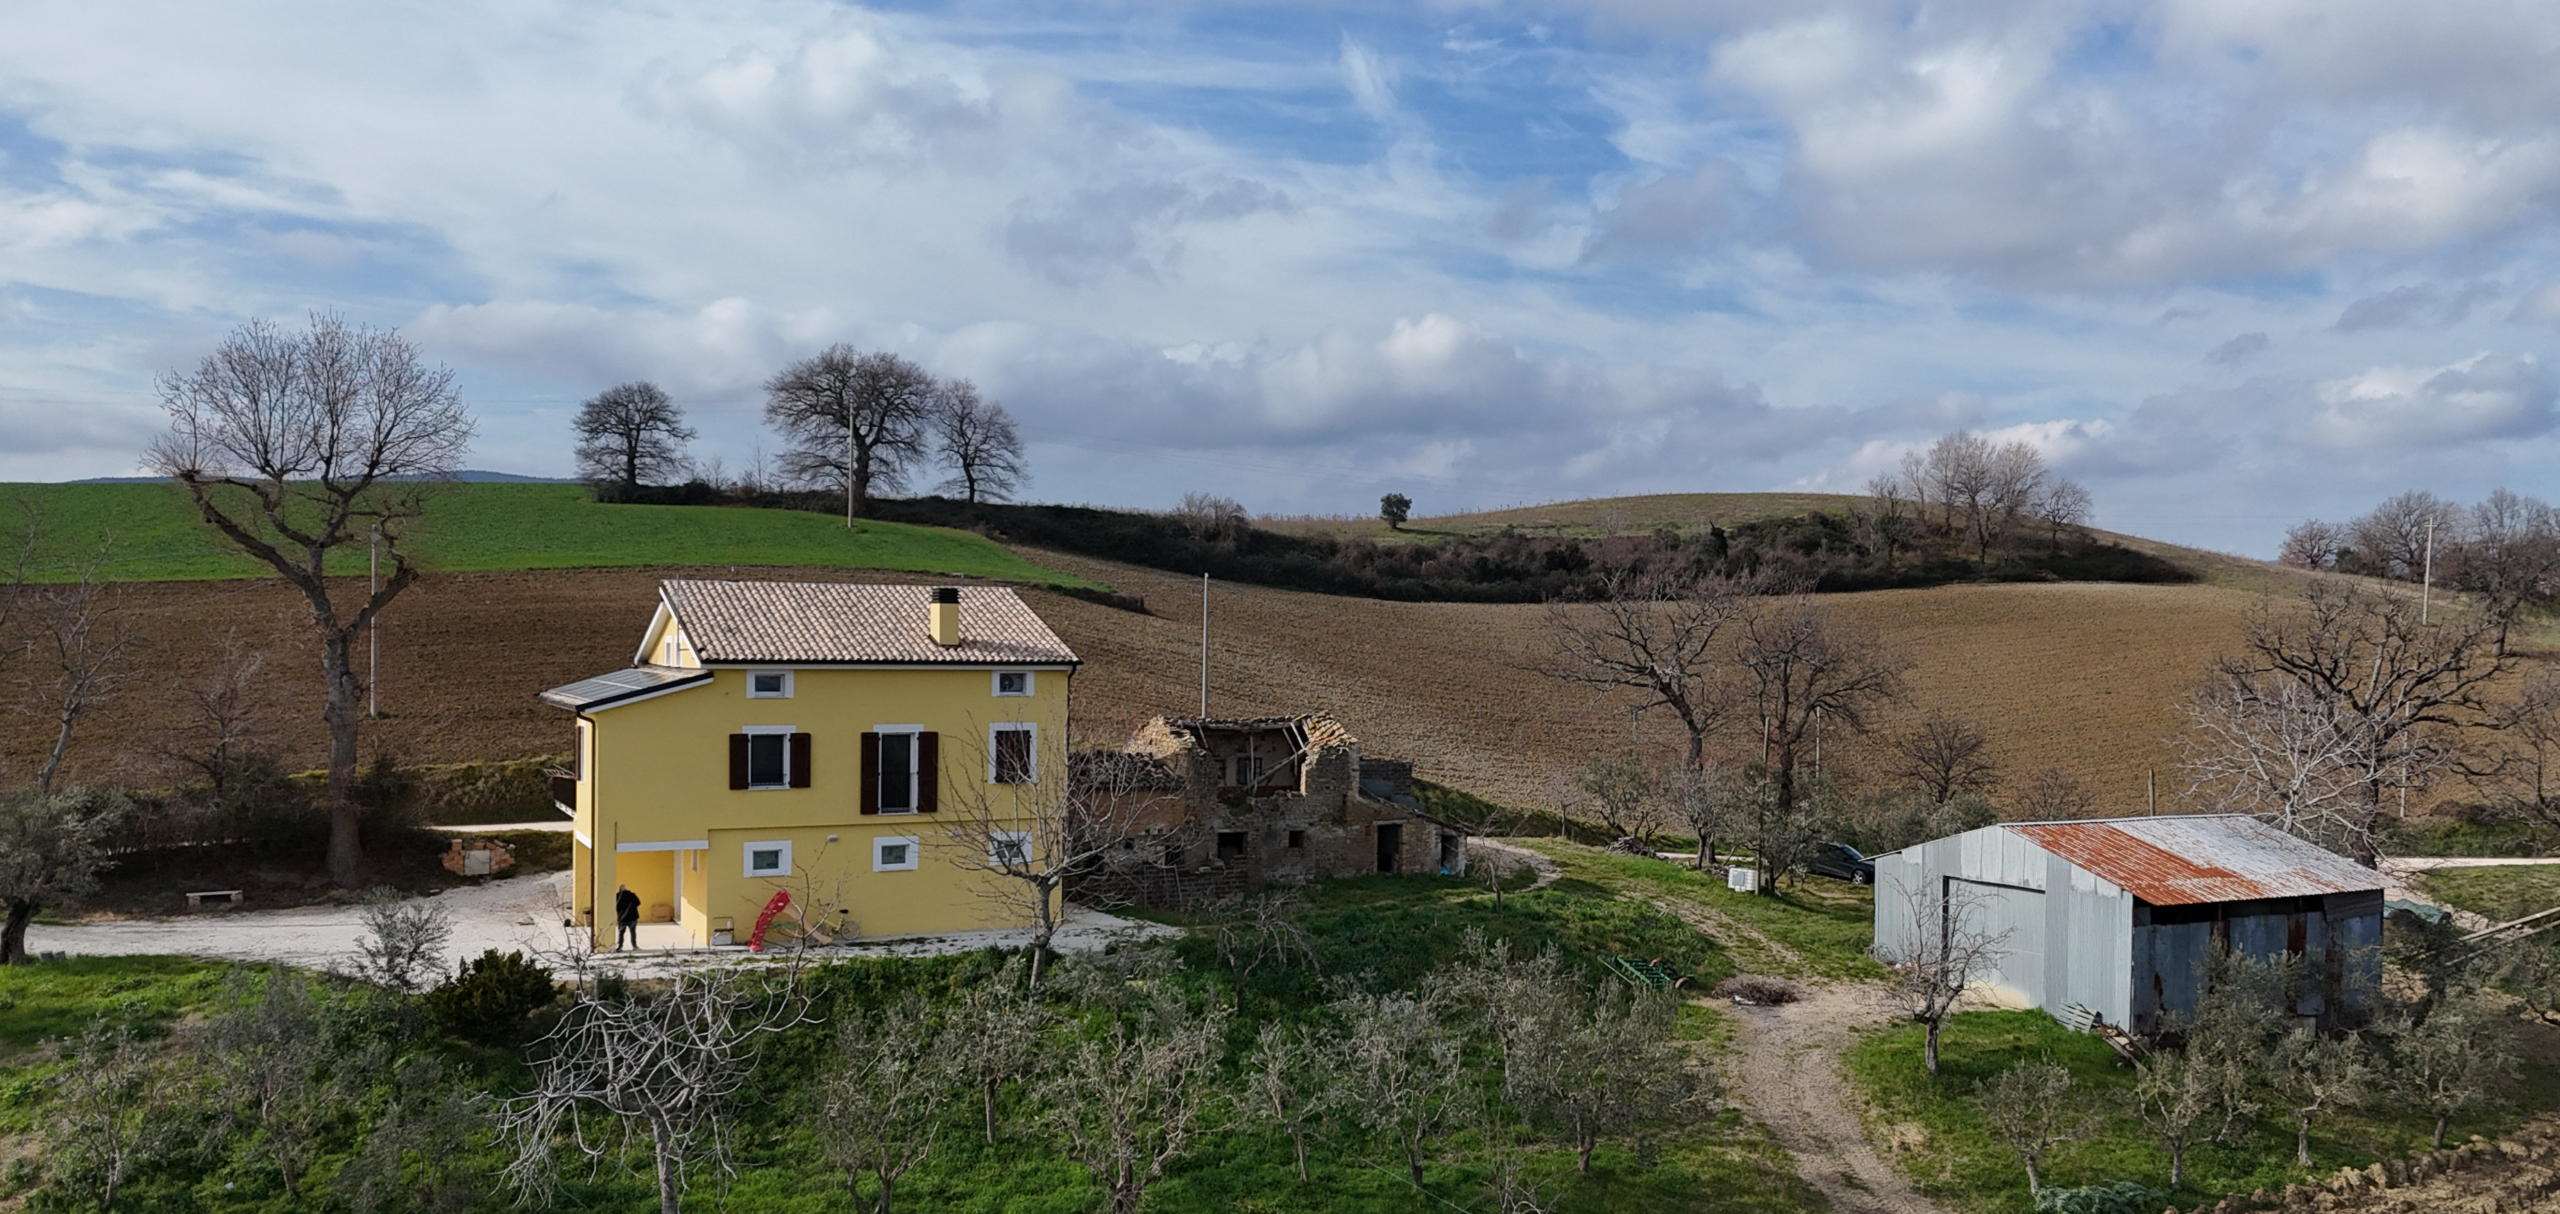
[{"x": 2514, "y": 1175}]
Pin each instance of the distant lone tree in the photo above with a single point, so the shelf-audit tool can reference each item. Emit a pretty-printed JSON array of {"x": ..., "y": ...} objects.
[
  {"x": 296, "y": 446},
  {"x": 979, "y": 445},
  {"x": 851, "y": 419},
  {"x": 1944, "y": 756},
  {"x": 631, "y": 435},
  {"x": 1395, "y": 508}
]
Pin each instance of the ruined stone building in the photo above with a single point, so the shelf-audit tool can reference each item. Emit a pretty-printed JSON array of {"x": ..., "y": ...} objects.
[{"x": 1225, "y": 806}]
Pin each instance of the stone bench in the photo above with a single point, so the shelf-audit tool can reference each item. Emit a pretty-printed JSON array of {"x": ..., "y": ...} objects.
[{"x": 197, "y": 899}]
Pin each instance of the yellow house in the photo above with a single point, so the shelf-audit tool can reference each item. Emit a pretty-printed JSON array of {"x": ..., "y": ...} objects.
[{"x": 813, "y": 737}]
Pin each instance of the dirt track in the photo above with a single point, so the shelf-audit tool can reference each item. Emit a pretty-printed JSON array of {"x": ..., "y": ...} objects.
[{"x": 1788, "y": 1079}]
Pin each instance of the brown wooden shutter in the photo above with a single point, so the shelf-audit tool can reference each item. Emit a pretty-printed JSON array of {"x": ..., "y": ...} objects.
[
  {"x": 871, "y": 773},
  {"x": 737, "y": 760},
  {"x": 928, "y": 772},
  {"x": 799, "y": 760}
]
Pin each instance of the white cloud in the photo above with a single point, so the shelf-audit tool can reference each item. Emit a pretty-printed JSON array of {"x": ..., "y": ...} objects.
[
  {"x": 1370, "y": 80},
  {"x": 2486, "y": 396}
]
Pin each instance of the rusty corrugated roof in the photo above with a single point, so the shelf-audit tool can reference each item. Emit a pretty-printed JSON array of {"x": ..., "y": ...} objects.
[{"x": 2185, "y": 860}]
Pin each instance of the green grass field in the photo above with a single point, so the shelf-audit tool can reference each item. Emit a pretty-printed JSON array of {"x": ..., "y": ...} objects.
[
  {"x": 152, "y": 533},
  {"x": 2498, "y": 891}
]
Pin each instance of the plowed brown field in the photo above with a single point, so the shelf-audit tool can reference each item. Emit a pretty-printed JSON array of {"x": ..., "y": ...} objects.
[{"x": 2077, "y": 676}]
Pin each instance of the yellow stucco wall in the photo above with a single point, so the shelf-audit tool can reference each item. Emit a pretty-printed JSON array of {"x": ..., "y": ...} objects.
[{"x": 657, "y": 771}]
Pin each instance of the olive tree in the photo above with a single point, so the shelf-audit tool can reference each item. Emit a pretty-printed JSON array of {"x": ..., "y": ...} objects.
[
  {"x": 1951, "y": 945},
  {"x": 2033, "y": 1108},
  {"x": 882, "y": 1094},
  {"x": 2188, "y": 1097},
  {"x": 299, "y": 448},
  {"x": 52, "y": 847},
  {"x": 1126, "y": 1099},
  {"x": 110, "y": 1114}
]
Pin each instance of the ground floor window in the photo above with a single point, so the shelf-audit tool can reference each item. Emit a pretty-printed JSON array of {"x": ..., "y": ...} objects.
[
  {"x": 893, "y": 853},
  {"x": 769, "y": 859}
]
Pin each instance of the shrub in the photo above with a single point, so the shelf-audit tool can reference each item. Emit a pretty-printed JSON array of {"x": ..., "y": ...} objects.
[
  {"x": 490, "y": 998},
  {"x": 2122, "y": 1197}
]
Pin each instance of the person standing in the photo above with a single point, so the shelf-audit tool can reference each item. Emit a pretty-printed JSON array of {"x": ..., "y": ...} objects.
[{"x": 626, "y": 916}]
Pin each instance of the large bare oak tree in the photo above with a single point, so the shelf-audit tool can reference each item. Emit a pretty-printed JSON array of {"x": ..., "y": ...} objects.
[
  {"x": 1657, "y": 636},
  {"x": 630, "y": 434},
  {"x": 298, "y": 446},
  {"x": 852, "y": 419}
]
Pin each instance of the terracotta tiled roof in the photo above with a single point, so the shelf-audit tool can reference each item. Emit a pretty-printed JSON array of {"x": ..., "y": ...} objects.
[
  {"x": 2178, "y": 861},
  {"x": 839, "y": 622}
]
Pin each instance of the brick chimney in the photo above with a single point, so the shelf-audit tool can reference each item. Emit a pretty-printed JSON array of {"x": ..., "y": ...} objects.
[{"x": 944, "y": 616}]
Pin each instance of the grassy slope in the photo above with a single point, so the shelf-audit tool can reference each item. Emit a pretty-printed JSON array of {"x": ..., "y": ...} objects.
[
  {"x": 1382, "y": 931},
  {"x": 156, "y": 536}
]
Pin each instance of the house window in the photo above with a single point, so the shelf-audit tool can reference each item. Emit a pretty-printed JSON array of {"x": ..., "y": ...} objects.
[
  {"x": 1008, "y": 848},
  {"x": 1010, "y": 754},
  {"x": 1248, "y": 770},
  {"x": 769, "y": 859},
  {"x": 1297, "y": 838},
  {"x": 1230, "y": 845},
  {"x": 769, "y": 685},
  {"x": 894, "y": 853},
  {"x": 897, "y": 772},
  {"x": 669, "y": 651},
  {"x": 1013, "y": 682},
  {"x": 769, "y": 756}
]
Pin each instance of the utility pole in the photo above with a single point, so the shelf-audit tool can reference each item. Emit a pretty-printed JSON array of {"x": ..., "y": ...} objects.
[
  {"x": 373, "y": 627},
  {"x": 2427, "y": 579},
  {"x": 848, "y": 465},
  {"x": 2151, "y": 789},
  {"x": 1204, "y": 647}
]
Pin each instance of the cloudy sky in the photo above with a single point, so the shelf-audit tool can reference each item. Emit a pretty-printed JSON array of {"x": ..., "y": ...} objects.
[{"x": 2228, "y": 262}]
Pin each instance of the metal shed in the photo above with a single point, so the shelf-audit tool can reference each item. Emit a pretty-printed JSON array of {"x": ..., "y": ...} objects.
[{"x": 2117, "y": 916}]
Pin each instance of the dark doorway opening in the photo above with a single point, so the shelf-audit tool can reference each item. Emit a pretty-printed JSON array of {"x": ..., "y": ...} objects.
[{"x": 1390, "y": 848}]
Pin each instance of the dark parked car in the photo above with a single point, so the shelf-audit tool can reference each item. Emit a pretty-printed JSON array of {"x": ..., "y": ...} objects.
[{"x": 1842, "y": 861}]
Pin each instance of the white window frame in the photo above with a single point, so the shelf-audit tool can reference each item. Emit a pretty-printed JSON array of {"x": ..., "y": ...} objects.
[
  {"x": 754, "y": 694},
  {"x": 915, "y": 768},
  {"x": 997, "y": 839},
  {"x": 915, "y": 853},
  {"x": 749, "y": 858},
  {"x": 1033, "y": 776},
  {"x": 753, "y": 731},
  {"x": 1029, "y": 683}
]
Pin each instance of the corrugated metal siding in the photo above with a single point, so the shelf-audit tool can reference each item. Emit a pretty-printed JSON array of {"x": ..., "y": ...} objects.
[{"x": 2089, "y": 927}]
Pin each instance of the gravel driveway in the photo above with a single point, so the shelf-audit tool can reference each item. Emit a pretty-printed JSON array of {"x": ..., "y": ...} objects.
[
  {"x": 1789, "y": 1080},
  {"x": 514, "y": 913}
]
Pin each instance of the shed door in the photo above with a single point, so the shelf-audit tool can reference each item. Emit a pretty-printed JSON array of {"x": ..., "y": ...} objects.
[{"x": 1996, "y": 909}]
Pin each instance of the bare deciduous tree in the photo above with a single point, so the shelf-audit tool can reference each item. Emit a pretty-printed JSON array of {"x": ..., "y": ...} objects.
[
  {"x": 1657, "y": 636},
  {"x": 1981, "y": 487},
  {"x": 1599, "y": 1065},
  {"x": 2331, "y": 707},
  {"x": 2393, "y": 541},
  {"x": 1397, "y": 1071},
  {"x": 52, "y": 846},
  {"x": 2312, "y": 544},
  {"x": 2051, "y": 794},
  {"x": 1945, "y": 756},
  {"x": 2521, "y": 772},
  {"x": 228, "y": 728},
  {"x": 300, "y": 446},
  {"x": 979, "y": 444},
  {"x": 852, "y": 420},
  {"x": 83, "y": 654},
  {"x": 1213, "y": 519},
  {"x": 110, "y": 1114},
  {"x": 1806, "y": 670},
  {"x": 2033, "y": 1108},
  {"x": 1952, "y": 945},
  {"x": 1884, "y": 522},
  {"x": 1129, "y": 1099},
  {"x": 2509, "y": 556},
  {"x": 402, "y": 948},
  {"x": 630, "y": 434},
  {"x": 882, "y": 1095},
  {"x": 1033, "y": 838},
  {"x": 2063, "y": 505},
  {"x": 665, "y": 1067},
  {"x": 2187, "y": 1097}
]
